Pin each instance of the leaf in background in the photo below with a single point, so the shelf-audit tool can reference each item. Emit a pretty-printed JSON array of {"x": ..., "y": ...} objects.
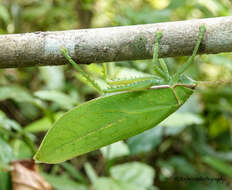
[
  {"x": 35, "y": 12},
  {"x": 6, "y": 153},
  {"x": 176, "y": 122},
  {"x": 181, "y": 119},
  {"x": 112, "y": 184},
  {"x": 214, "y": 185},
  {"x": 90, "y": 172},
  {"x": 31, "y": 111},
  {"x": 4, "y": 14},
  {"x": 64, "y": 101},
  {"x": 42, "y": 125},
  {"x": 227, "y": 156},
  {"x": 218, "y": 165},
  {"x": 63, "y": 183},
  {"x": 21, "y": 149},
  {"x": 25, "y": 140},
  {"x": 8, "y": 124},
  {"x": 159, "y": 4},
  {"x": 215, "y": 130},
  {"x": 182, "y": 166},
  {"x": 139, "y": 174},
  {"x": 145, "y": 141},
  {"x": 145, "y": 15},
  {"x": 21, "y": 95},
  {"x": 115, "y": 150},
  {"x": 74, "y": 173},
  {"x": 166, "y": 169},
  {"x": 5, "y": 181},
  {"x": 16, "y": 93},
  {"x": 177, "y": 3},
  {"x": 53, "y": 77}
]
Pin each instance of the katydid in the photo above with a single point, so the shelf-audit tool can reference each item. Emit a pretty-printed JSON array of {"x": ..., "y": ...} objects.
[{"x": 141, "y": 104}]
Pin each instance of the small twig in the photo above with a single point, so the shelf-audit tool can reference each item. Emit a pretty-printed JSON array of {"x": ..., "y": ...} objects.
[{"x": 115, "y": 43}]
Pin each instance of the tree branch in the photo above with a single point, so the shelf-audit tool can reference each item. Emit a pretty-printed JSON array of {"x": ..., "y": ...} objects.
[{"x": 115, "y": 43}]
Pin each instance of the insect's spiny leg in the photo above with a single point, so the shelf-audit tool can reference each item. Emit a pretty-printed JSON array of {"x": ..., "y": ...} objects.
[
  {"x": 190, "y": 60},
  {"x": 127, "y": 81},
  {"x": 79, "y": 69},
  {"x": 155, "y": 56}
]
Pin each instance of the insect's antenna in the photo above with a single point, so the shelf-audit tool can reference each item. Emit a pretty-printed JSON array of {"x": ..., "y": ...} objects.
[
  {"x": 158, "y": 36},
  {"x": 79, "y": 69},
  {"x": 190, "y": 60}
]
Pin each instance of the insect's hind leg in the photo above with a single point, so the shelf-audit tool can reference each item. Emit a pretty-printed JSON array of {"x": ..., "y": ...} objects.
[
  {"x": 156, "y": 67},
  {"x": 191, "y": 58},
  {"x": 79, "y": 69}
]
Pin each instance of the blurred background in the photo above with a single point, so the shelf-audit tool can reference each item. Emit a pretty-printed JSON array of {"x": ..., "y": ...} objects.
[{"x": 194, "y": 142}]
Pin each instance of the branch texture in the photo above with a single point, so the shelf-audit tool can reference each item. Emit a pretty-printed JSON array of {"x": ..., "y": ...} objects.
[{"x": 114, "y": 43}]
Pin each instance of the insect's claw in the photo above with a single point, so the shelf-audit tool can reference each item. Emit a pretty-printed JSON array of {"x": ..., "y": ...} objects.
[
  {"x": 202, "y": 28},
  {"x": 159, "y": 35}
]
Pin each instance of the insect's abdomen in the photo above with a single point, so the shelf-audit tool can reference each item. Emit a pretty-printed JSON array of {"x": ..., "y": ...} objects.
[{"x": 109, "y": 119}]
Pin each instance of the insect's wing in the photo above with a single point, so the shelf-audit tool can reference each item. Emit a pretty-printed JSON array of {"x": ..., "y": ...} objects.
[{"x": 106, "y": 120}]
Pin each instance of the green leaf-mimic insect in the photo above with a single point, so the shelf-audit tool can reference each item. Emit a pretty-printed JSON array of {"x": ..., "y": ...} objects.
[{"x": 141, "y": 104}]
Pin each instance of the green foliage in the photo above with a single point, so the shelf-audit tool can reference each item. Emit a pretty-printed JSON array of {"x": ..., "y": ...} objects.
[
  {"x": 63, "y": 100},
  {"x": 6, "y": 153},
  {"x": 15, "y": 93},
  {"x": 43, "y": 124},
  {"x": 64, "y": 183},
  {"x": 219, "y": 165},
  {"x": 115, "y": 150},
  {"x": 134, "y": 175},
  {"x": 137, "y": 173}
]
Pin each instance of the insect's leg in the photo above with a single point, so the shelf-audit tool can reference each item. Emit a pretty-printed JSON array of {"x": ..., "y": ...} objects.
[
  {"x": 134, "y": 80},
  {"x": 191, "y": 58},
  {"x": 79, "y": 69},
  {"x": 109, "y": 72},
  {"x": 158, "y": 36},
  {"x": 104, "y": 68},
  {"x": 164, "y": 67},
  {"x": 130, "y": 87}
]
